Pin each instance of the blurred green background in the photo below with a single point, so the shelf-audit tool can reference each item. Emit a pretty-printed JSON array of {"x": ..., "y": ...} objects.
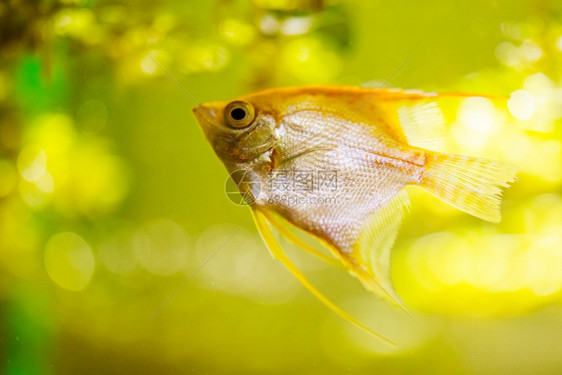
[{"x": 110, "y": 196}]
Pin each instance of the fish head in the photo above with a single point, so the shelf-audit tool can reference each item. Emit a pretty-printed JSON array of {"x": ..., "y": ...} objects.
[{"x": 239, "y": 130}]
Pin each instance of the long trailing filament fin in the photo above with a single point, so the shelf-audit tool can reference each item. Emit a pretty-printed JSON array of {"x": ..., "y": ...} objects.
[
  {"x": 277, "y": 251},
  {"x": 295, "y": 240}
]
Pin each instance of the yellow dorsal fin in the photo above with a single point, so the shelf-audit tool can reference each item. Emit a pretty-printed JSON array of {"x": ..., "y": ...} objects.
[
  {"x": 423, "y": 124},
  {"x": 406, "y": 116},
  {"x": 380, "y": 93},
  {"x": 277, "y": 251}
]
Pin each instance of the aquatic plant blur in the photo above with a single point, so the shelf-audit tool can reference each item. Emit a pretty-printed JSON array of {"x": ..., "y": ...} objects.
[{"x": 110, "y": 198}]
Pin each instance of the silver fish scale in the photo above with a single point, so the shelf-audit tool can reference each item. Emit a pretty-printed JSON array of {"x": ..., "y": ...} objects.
[{"x": 368, "y": 174}]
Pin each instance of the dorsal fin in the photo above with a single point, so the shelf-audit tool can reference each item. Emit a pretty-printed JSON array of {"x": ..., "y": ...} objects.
[{"x": 423, "y": 124}]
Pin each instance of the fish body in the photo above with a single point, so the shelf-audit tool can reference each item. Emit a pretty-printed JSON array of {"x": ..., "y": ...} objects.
[{"x": 334, "y": 162}]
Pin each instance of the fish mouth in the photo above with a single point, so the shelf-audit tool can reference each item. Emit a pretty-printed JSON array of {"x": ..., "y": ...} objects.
[
  {"x": 197, "y": 111},
  {"x": 205, "y": 119},
  {"x": 201, "y": 115},
  {"x": 204, "y": 114}
]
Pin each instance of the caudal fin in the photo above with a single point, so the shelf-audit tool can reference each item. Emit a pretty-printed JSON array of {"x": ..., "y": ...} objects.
[{"x": 473, "y": 185}]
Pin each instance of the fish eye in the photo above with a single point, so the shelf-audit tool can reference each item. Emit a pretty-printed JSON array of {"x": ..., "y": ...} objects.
[{"x": 239, "y": 114}]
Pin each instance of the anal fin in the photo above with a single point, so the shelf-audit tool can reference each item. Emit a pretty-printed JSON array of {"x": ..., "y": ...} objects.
[{"x": 370, "y": 258}]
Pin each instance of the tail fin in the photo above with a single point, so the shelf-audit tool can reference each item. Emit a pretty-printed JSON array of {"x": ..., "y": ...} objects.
[{"x": 470, "y": 184}]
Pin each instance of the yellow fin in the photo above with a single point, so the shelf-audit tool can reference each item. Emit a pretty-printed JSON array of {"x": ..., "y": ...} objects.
[
  {"x": 373, "y": 274},
  {"x": 470, "y": 184},
  {"x": 423, "y": 124},
  {"x": 277, "y": 251},
  {"x": 380, "y": 93},
  {"x": 407, "y": 116},
  {"x": 370, "y": 259},
  {"x": 279, "y": 224}
]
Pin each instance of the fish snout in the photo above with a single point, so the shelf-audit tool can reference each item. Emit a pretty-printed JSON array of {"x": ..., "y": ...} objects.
[
  {"x": 204, "y": 114},
  {"x": 198, "y": 111}
]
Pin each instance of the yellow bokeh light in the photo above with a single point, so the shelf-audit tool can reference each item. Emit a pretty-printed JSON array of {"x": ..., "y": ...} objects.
[
  {"x": 478, "y": 114},
  {"x": 269, "y": 24},
  {"x": 530, "y": 51},
  {"x": 32, "y": 163},
  {"x": 477, "y": 122},
  {"x": 511, "y": 30},
  {"x": 77, "y": 23},
  {"x": 148, "y": 66},
  {"x": 204, "y": 56},
  {"x": 237, "y": 32},
  {"x": 149, "y": 62},
  {"x": 506, "y": 52},
  {"x": 69, "y": 261},
  {"x": 521, "y": 105},
  {"x": 543, "y": 160},
  {"x": 95, "y": 182},
  {"x": 33, "y": 196},
  {"x": 539, "y": 86},
  {"x": 544, "y": 262},
  {"x": 487, "y": 263},
  {"x": 310, "y": 60},
  {"x": 45, "y": 183},
  {"x": 296, "y": 25},
  {"x": 52, "y": 132},
  {"x": 162, "y": 247},
  {"x": 525, "y": 54},
  {"x": 116, "y": 249}
]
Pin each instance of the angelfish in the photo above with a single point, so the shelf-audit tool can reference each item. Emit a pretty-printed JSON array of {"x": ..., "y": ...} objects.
[{"x": 334, "y": 162}]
